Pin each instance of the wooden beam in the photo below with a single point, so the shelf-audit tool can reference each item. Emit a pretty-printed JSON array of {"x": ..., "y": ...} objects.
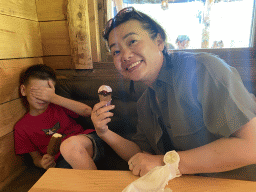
[
  {"x": 55, "y": 38},
  {"x": 102, "y": 10},
  {"x": 79, "y": 34},
  {"x": 207, "y": 22},
  {"x": 49, "y": 10},
  {"x": 19, "y": 38},
  {"x": 59, "y": 62},
  {"x": 24, "y": 9},
  {"x": 94, "y": 30}
]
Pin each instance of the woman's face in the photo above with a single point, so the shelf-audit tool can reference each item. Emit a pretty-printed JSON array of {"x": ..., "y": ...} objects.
[{"x": 136, "y": 56}]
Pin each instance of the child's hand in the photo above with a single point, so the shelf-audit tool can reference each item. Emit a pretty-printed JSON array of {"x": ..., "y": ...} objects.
[
  {"x": 44, "y": 93},
  {"x": 47, "y": 161},
  {"x": 101, "y": 117}
]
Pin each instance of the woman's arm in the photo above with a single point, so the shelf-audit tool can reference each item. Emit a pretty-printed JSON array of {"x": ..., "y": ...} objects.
[
  {"x": 223, "y": 154},
  {"x": 100, "y": 118},
  {"x": 123, "y": 147}
]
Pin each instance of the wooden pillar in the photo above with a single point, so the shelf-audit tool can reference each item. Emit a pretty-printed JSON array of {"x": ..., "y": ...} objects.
[
  {"x": 79, "y": 33},
  {"x": 206, "y": 21},
  {"x": 94, "y": 30}
]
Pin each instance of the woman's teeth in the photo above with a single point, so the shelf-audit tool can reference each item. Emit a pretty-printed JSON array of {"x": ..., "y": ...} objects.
[{"x": 133, "y": 65}]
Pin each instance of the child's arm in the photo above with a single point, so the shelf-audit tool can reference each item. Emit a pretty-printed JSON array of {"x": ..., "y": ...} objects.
[
  {"x": 46, "y": 162},
  {"x": 48, "y": 94}
]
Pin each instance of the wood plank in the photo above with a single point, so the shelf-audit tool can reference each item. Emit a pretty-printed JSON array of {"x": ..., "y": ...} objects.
[
  {"x": 67, "y": 180},
  {"x": 10, "y": 73},
  {"x": 19, "y": 38},
  {"x": 12, "y": 177},
  {"x": 59, "y": 62},
  {"x": 48, "y": 10},
  {"x": 10, "y": 113},
  {"x": 94, "y": 30},
  {"x": 23, "y": 9},
  {"x": 55, "y": 38},
  {"x": 9, "y": 162},
  {"x": 102, "y": 7}
]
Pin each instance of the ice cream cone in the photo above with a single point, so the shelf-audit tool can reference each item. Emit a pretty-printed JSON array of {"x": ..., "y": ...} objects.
[{"x": 105, "y": 93}]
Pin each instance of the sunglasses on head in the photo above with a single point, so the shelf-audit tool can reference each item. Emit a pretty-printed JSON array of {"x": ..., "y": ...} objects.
[{"x": 121, "y": 13}]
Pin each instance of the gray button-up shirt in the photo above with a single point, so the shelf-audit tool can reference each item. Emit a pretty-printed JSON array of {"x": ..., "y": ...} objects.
[{"x": 200, "y": 98}]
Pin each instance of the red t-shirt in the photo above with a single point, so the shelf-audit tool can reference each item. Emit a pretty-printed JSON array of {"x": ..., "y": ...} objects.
[{"x": 33, "y": 133}]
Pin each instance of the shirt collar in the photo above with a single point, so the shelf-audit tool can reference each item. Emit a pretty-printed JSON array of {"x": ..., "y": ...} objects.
[{"x": 164, "y": 75}]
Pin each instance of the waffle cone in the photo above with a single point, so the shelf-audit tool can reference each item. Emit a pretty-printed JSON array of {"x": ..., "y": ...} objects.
[{"x": 105, "y": 98}]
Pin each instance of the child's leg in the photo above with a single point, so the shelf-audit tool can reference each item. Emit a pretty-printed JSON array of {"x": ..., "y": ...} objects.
[{"x": 78, "y": 152}]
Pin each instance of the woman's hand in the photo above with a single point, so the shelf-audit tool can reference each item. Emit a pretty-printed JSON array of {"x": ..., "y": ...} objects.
[
  {"x": 141, "y": 163},
  {"x": 44, "y": 93},
  {"x": 101, "y": 117},
  {"x": 47, "y": 161}
]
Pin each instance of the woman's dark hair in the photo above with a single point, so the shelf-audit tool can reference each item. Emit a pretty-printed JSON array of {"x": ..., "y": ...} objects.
[
  {"x": 39, "y": 71},
  {"x": 147, "y": 23}
]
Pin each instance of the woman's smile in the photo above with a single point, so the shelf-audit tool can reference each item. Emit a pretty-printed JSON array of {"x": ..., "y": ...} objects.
[{"x": 133, "y": 66}]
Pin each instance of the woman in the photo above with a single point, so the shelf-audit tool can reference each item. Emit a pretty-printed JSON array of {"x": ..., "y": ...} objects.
[{"x": 195, "y": 104}]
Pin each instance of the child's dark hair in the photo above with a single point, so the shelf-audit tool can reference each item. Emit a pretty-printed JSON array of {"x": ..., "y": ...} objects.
[{"x": 39, "y": 71}]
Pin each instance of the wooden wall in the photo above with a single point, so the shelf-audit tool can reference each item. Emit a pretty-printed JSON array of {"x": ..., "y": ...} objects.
[
  {"x": 52, "y": 17},
  {"x": 20, "y": 47}
]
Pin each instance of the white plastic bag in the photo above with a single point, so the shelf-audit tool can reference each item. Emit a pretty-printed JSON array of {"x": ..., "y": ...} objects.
[{"x": 155, "y": 180}]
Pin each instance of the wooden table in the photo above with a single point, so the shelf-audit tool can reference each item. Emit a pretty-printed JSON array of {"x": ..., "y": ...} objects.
[{"x": 70, "y": 180}]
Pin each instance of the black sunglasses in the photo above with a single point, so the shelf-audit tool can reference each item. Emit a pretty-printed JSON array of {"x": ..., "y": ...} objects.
[{"x": 121, "y": 13}]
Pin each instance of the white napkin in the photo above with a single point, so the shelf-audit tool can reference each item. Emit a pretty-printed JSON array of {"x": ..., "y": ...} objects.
[{"x": 155, "y": 180}]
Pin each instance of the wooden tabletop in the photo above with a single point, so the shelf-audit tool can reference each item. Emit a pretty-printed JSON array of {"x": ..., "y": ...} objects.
[{"x": 70, "y": 180}]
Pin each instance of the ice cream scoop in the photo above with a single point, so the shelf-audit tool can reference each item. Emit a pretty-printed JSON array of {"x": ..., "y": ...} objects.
[
  {"x": 54, "y": 144},
  {"x": 105, "y": 93}
]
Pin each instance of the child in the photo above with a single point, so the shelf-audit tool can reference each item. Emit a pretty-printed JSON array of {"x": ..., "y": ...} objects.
[{"x": 48, "y": 114}]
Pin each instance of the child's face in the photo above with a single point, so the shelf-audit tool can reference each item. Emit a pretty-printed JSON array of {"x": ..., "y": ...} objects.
[{"x": 36, "y": 106}]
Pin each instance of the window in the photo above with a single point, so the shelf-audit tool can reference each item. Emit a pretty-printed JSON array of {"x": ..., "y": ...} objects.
[
  {"x": 223, "y": 27},
  {"x": 200, "y": 24}
]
